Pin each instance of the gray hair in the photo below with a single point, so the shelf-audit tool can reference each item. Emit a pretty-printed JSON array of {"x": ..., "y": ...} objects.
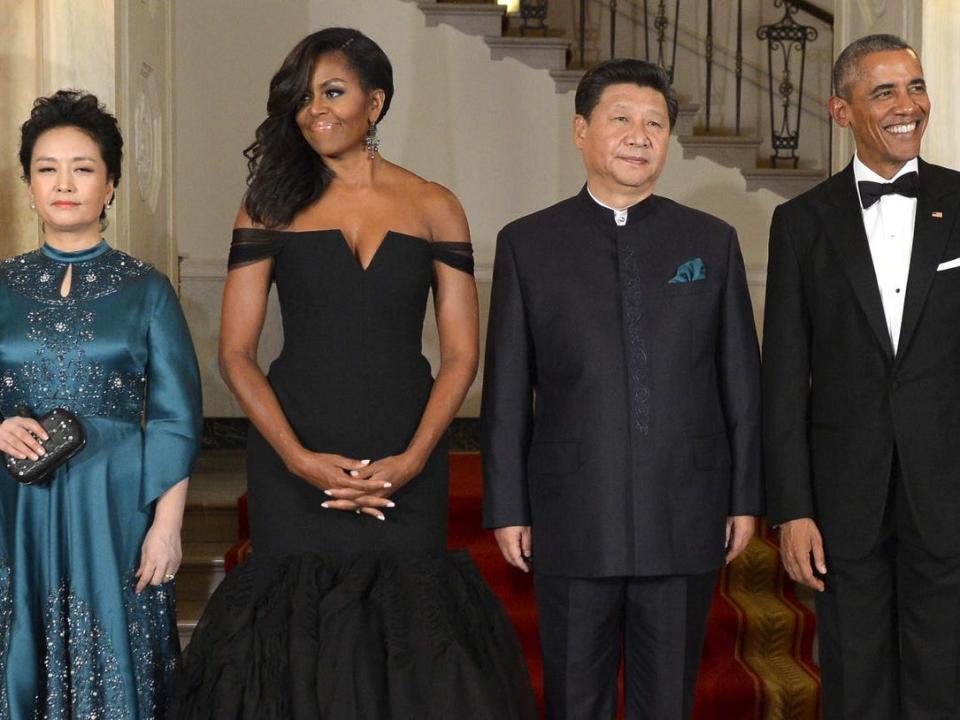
[{"x": 846, "y": 67}]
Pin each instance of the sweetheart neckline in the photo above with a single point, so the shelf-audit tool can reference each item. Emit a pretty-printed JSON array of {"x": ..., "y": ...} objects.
[{"x": 345, "y": 242}]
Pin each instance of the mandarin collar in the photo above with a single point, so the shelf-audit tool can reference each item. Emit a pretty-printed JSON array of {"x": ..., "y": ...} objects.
[
  {"x": 635, "y": 213},
  {"x": 70, "y": 258}
]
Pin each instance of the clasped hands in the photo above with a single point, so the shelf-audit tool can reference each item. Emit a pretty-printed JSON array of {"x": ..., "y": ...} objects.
[{"x": 359, "y": 486}]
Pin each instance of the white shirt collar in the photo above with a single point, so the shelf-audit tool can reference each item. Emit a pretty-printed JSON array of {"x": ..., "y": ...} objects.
[
  {"x": 603, "y": 204},
  {"x": 861, "y": 172},
  {"x": 619, "y": 216}
]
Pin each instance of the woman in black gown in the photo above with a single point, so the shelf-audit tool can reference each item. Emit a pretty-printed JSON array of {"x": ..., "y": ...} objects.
[{"x": 350, "y": 606}]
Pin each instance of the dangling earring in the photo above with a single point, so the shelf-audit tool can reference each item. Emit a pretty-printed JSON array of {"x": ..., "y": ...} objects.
[
  {"x": 372, "y": 141},
  {"x": 33, "y": 206}
]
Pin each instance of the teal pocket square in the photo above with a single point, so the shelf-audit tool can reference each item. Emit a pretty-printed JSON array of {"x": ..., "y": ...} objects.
[{"x": 690, "y": 271}]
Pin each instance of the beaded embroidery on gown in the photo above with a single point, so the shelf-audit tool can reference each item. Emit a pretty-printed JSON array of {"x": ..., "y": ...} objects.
[
  {"x": 337, "y": 615},
  {"x": 75, "y": 640}
]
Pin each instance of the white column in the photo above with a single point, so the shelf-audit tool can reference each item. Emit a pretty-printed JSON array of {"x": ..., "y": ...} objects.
[
  {"x": 18, "y": 88},
  {"x": 76, "y": 50},
  {"x": 940, "y": 53}
]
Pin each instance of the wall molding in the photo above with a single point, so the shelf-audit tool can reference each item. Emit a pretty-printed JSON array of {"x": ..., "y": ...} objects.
[
  {"x": 209, "y": 268},
  {"x": 756, "y": 274}
]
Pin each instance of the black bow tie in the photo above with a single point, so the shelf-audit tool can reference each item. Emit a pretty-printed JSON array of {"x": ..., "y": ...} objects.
[{"x": 906, "y": 185}]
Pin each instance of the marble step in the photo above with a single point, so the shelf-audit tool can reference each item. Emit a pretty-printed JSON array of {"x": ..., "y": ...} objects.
[
  {"x": 566, "y": 79},
  {"x": 188, "y": 614},
  {"x": 210, "y": 524},
  {"x": 472, "y": 18},
  {"x": 211, "y": 511},
  {"x": 788, "y": 182},
  {"x": 544, "y": 53},
  {"x": 201, "y": 570},
  {"x": 734, "y": 151},
  {"x": 210, "y": 529},
  {"x": 686, "y": 117}
]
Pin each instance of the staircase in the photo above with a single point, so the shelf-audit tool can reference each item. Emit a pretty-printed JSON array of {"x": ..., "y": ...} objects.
[
  {"x": 555, "y": 52},
  {"x": 210, "y": 529}
]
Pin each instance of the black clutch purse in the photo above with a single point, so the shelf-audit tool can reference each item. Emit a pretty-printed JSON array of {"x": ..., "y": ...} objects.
[{"x": 66, "y": 439}]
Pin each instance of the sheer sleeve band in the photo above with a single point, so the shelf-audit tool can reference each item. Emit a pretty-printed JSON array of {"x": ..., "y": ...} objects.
[
  {"x": 251, "y": 244},
  {"x": 458, "y": 255}
]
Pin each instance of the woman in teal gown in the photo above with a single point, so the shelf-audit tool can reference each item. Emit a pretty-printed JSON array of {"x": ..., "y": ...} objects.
[{"x": 87, "y": 617}]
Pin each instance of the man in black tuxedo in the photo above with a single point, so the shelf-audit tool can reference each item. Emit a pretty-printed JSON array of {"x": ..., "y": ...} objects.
[
  {"x": 861, "y": 372},
  {"x": 621, "y": 411}
]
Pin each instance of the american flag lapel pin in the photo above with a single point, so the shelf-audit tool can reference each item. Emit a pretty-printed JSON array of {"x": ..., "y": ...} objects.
[{"x": 937, "y": 214}]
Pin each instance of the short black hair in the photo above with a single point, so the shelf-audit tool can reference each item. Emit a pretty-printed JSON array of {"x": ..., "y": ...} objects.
[
  {"x": 80, "y": 110},
  {"x": 624, "y": 70},
  {"x": 846, "y": 66}
]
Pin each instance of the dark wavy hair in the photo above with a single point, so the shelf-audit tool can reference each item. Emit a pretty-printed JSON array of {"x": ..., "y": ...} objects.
[
  {"x": 629, "y": 71},
  {"x": 285, "y": 174},
  {"x": 81, "y": 110}
]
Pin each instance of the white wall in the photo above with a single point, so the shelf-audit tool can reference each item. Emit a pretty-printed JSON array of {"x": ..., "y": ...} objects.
[
  {"x": 496, "y": 133},
  {"x": 938, "y": 50}
]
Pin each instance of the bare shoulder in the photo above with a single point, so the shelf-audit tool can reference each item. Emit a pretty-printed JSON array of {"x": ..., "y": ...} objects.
[
  {"x": 243, "y": 221},
  {"x": 443, "y": 213},
  {"x": 433, "y": 207}
]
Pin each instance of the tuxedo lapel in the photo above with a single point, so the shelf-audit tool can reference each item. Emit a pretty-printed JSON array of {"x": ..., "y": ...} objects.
[
  {"x": 930, "y": 235},
  {"x": 845, "y": 230}
]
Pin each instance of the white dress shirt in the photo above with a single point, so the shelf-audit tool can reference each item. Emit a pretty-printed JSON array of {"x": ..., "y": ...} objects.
[
  {"x": 619, "y": 216},
  {"x": 889, "y": 225}
]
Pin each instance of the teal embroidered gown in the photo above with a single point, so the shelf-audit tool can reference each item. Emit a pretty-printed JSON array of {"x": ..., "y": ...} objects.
[{"x": 75, "y": 640}]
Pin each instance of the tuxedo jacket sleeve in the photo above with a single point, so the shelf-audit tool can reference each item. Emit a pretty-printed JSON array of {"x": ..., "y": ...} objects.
[{"x": 786, "y": 380}]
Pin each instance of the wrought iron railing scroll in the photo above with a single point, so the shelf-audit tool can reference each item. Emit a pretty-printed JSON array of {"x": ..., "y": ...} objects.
[{"x": 788, "y": 38}]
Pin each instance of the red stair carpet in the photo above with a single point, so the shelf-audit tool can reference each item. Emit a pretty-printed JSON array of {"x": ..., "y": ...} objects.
[{"x": 757, "y": 660}]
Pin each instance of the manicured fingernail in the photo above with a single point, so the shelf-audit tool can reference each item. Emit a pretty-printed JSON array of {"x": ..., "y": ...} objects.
[
  {"x": 381, "y": 517},
  {"x": 391, "y": 504},
  {"x": 386, "y": 485},
  {"x": 364, "y": 462},
  {"x": 325, "y": 505},
  {"x": 354, "y": 473},
  {"x": 328, "y": 492}
]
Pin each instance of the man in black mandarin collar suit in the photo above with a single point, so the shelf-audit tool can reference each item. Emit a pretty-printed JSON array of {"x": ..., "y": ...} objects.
[
  {"x": 621, "y": 411},
  {"x": 861, "y": 372}
]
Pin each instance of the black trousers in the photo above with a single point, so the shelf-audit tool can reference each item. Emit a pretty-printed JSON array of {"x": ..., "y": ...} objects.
[
  {"x": 657, "y": 624},
  {"x": 889, "y": 627}
]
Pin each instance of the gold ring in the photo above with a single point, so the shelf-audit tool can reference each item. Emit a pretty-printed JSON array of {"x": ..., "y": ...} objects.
[{"x": 169, "y": 576}]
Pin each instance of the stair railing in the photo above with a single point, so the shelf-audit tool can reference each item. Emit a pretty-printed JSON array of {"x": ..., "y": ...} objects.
[
  {"x": 786, "y": 41},
  {"x": 789, "y": 38}
]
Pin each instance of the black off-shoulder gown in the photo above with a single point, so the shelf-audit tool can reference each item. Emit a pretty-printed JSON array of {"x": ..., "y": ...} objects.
[{"x": 336, "y": 615}]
